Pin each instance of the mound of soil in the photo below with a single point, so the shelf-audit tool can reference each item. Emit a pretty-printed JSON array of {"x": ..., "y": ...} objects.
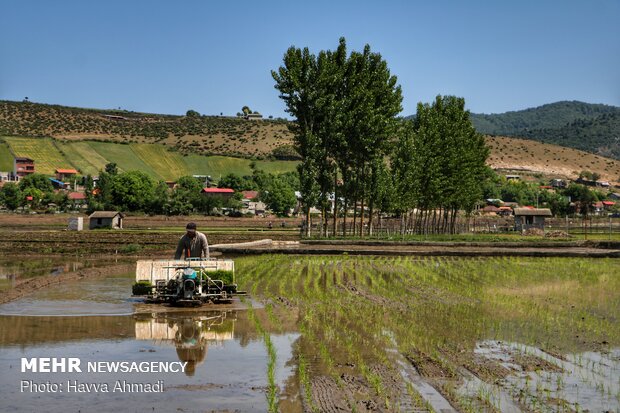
[
  {"x": 534, "y": 232},
  {"x": 557, "y": 234}
]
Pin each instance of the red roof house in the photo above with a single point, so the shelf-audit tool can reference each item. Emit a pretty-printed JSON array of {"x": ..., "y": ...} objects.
[
  {"x": 250, "y": 195},
  {"x": 77, "y": 196},
  {"x": 63, "y": 174},
  {"x": 222, "y": 192}
]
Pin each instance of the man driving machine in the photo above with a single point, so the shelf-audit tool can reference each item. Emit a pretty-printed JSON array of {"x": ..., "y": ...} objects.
[{"x": 193, "y": 244}]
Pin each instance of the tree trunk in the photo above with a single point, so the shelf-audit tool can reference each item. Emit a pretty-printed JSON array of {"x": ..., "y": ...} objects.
[
  {"x": 344, "y": 217},
  {"x": 335, "y": 211},
  {"x": 307, "y": 221},
  {"x": 362, "y": 218},
  {"x": 370, "y": 212}
]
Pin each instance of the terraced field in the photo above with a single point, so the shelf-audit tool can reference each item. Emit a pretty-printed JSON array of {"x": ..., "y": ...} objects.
[
  {"x": 89, "y": 157},
  {"x": 6, "y": 159},
  {"x": 444, "y": 335},
  {"x": 43, "y": 151}
]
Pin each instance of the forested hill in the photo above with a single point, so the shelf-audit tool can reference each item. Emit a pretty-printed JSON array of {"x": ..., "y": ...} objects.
[{"x": 589, "y": 127}]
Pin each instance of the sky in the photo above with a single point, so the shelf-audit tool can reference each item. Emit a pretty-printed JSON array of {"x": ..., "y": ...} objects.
[{"x": 215, "y": 57}]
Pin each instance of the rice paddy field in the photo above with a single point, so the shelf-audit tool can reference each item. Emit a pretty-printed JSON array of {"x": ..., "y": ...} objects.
[{"x": 400, "y": 334}]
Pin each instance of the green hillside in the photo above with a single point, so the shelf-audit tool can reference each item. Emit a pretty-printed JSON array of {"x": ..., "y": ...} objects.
[
  {"x": 156, "y": 160},
  {"x": 600, "y": 135},
  {"x": 589, "y": 127},
  {"x": 6, "y": 159},
  {"x": 190, "y": 134},
  {"x": 46, "y": 155},
  {"x": 83, "y": 156}
]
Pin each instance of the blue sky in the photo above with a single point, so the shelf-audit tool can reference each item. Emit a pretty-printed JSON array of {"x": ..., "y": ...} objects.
[{"x": 215, "y": 57}]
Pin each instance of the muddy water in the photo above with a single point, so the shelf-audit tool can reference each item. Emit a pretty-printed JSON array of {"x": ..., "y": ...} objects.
[
  {"x": 224, "y": 361},
  {"x": 12, "y": 269}
]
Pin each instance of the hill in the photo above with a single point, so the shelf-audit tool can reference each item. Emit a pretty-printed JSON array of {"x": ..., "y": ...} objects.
[
  {"x": 167, "y": 147},
  {"x": 589, "y": 127},
  {"x": 526, "y": 157},
  {"x": 89, "y": 157},
  {"x": 201, "y": 135}
]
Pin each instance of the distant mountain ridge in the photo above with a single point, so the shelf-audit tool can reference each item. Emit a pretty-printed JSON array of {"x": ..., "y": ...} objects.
[{"x": 589, "y": 127}]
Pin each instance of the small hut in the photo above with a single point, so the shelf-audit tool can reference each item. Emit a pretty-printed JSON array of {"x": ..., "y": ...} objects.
[
  {"x": 526, "y": 218},
  {"x": 106, "y": 219}
]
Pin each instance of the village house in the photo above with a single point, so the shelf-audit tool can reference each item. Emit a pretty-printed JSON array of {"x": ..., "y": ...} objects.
[
  {"x": 558, "y": 183},
  {"x": 251, "y": 204},
  {"x": 66, "y": 174},
  {"x": 78, "y": 199},
  {"x": 527, "y": 218},
  {"x": 23, "y": 166},
  {"x": 106, "y": 219},
  {"x": 608, "y": 205},
  {"x": 490, "y": 210},
  {"x": 224, "y": 193}
]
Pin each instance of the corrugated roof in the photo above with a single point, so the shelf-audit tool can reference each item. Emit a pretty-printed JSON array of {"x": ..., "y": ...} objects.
[
  {"x": 77, "y": 195},
  {"x": 218, "y": 190},
  {"x": 249, "y": 194},
  {"x": 66, "y": 171},
  {"x": 106, "y": 214},
  {"x": 540, "y": 212}
]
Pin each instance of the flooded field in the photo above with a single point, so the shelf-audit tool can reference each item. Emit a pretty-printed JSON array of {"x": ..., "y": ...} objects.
[{"x": 329, "y": 334}]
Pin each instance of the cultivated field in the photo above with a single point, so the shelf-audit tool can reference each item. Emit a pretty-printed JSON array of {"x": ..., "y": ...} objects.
[
  {"x": 440, "y": 334},
  {"x": 89, "y": 157},
  {"x": 43, "y": 151}
]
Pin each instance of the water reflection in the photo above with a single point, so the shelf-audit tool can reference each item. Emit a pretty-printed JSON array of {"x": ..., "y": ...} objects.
[{"x": 190, "y": 334}]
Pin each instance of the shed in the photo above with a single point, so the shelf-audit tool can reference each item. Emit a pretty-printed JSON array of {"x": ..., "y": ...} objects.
[
  {"x": 76, "y": 224},
  {"x": 526, "y": 218},
  {"x": 106, "y": 219}
]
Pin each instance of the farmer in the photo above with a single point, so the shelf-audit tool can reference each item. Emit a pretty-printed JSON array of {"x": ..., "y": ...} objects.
[{"x": 193, "y": 244}]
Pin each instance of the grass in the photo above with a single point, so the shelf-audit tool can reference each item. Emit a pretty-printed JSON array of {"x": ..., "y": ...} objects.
[
  {"x": 124, "y": 157},
  {"x": 6, "y": 158},
  {"x": 84, "y": 157},
  {"x": 169, "y": 165},
  {"x": 46, "y": 155},
  {"x": 277, "y": 167},
  {"x": 217, "y": 166}
]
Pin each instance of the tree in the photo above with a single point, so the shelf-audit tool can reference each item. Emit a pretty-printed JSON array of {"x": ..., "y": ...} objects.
[
  {"x": 439, "y": 163},
  {"x": 38, "y": 181},
  {"x": 345, "y": 109},
  {"x": 11, "y": 196},
  {"x": 192, "y": 114},
  {"x": 246, "y": 110},
  {"x": 582, "y": 196},
  {"x": 279, "y": 197},
  {"x": 133, "y": 191},
  {"x": 232, "y": 181},
  {"x": 111, "y": 168},
  {"x": 160, "y": 202},
  {"x": 35, "y": 195}
]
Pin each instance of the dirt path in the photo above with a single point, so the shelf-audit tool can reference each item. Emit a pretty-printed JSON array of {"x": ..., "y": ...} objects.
[{"x": 455, "y": 249}]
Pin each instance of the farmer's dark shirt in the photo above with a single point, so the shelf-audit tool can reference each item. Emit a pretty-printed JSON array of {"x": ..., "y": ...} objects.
[{"x": 198, "y": 246}]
